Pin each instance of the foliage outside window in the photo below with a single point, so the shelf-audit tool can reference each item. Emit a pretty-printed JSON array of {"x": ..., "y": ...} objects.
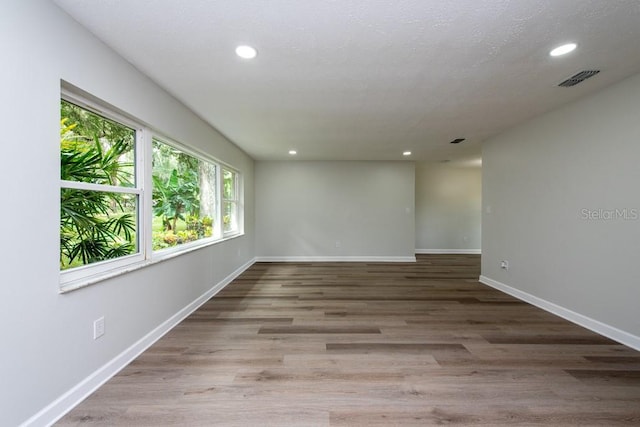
[
  {"x": 98, "y": 195},
  {"x": 184, "y": 197},
  {"x": 127, "y": 198},
  {"x": 230, "y": 201}
]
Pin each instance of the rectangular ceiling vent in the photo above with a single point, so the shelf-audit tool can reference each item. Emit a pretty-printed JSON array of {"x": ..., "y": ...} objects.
[
  {"x": 578, "y": 78},
  {"x": 457, "y": 141}
]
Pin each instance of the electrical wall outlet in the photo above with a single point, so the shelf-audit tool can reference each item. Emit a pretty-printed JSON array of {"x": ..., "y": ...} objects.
[
  {"x": 98, "y": 328},
  {"x": 504, "y": 265},
  {"x": 338, "y": 243}
]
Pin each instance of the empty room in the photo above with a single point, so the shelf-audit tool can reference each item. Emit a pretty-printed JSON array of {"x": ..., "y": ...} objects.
[{"x": 320, "y": 213}]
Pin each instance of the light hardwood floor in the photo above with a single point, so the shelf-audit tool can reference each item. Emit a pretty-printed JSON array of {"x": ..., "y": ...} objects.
[{"x": 362, "y": 344}]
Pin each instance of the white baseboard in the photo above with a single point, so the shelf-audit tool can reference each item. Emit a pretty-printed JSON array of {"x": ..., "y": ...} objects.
[
  {"x": 336, "y": 259},
  {"x": 65, "y": 403},
  {"x": 577, "y": 318},
  {"x": 449, "y": 251}
]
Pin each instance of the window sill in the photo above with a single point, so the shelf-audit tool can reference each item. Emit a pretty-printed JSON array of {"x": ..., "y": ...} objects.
[{"x": 157, "y": 257}]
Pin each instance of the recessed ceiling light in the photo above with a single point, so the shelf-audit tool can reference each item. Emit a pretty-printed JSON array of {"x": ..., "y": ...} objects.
[
  {"x": 406, "y": 153},
  {"x": 563, "y": 50},
  {"x": 246, "y": 52},
  {"x": 293, "y": 152}
]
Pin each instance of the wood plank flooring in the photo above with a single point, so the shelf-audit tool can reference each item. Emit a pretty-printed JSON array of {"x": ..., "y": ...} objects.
[{"x": 365, "y": 344}]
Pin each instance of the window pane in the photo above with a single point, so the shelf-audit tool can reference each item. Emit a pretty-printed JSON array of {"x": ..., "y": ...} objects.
[
  {"x": 229, "y": 216},
  {"x": 230, "y": 201},
  {"x": 96, "y": 226},
  {"x": 229, "y": 181},
  {"x": 95, "y": 149},
  {"x": 184, "y": 197}
]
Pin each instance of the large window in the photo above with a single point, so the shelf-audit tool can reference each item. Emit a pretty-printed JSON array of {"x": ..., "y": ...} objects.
[
  {"x": 184, "y": 197},
  {"x": 127, "y": 197},
  {"x": 100, "y": 192}
]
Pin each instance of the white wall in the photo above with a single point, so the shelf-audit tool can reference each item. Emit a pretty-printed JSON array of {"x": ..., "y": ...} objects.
[
  {"x": 306, "y": 207},
  {"x": 448, "y": 207},
  {"x": 537, "y": 180},
  {"x": 47, "y": 337}
]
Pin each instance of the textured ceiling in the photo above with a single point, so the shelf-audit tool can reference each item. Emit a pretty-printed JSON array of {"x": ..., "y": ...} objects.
[{"x": 367, "y": 79}]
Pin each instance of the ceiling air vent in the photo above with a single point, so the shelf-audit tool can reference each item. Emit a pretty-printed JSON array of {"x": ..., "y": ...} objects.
[
  {"x": 577, "y": 78},
  {"x": 457, "y": 141}
]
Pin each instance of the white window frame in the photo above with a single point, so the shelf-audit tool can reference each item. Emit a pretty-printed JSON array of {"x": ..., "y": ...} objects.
[
  {"x": 217, "y": 226},
  {"x": 237, "y": 218},
  {"x": 76, "y": 277},
  {"x": 79, "y": 277}
]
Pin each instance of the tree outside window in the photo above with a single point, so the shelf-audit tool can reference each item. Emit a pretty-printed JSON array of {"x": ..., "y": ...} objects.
[
  {"x": 184, "y": 197},
  {"x": 98, "y": 197},
  {"x": 229, "y": 201}
]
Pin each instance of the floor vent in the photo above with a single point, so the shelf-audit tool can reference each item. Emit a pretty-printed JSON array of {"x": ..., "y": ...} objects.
[{"x": 577, "y": 78}]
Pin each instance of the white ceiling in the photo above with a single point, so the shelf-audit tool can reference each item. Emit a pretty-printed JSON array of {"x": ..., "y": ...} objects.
[{"x": 367, "y": 79}]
